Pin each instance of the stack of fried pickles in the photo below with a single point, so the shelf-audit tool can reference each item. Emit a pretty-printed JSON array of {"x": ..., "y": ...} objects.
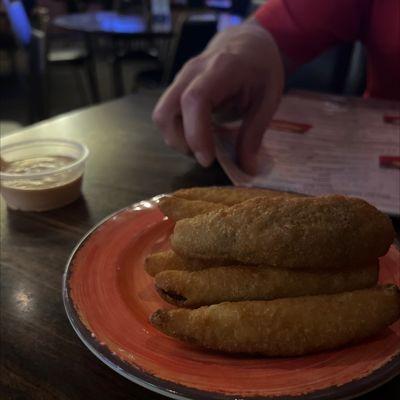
[{"x": 261, "y": 272}]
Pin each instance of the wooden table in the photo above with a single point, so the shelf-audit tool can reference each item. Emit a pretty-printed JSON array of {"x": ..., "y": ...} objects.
[{"x": 41, "y": 356}]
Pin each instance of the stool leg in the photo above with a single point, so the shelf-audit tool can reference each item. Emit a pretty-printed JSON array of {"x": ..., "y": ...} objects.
[
  {"x": 91, "y": 70},
  {"x": 92, "y": 79},
  {"x": 80, "y": 86},
  {"x": 38, "y": 97},
  {"x": 117, "y": 77}
]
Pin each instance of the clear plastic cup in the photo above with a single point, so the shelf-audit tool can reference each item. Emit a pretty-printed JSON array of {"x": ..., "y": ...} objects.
[{"x": 42, "y": 174}]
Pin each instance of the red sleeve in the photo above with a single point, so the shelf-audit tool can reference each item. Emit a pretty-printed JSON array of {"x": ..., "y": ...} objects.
[{"x": 305, "y": 28}]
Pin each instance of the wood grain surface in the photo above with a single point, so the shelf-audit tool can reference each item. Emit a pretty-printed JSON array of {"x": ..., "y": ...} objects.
[{"x": 41, "y": 356}]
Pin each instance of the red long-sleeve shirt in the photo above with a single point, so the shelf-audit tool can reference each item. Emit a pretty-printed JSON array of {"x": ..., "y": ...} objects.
[{"x": 305, "y": 28}]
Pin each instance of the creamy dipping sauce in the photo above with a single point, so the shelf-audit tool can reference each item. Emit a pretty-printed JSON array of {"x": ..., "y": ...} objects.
[
  {"x": 37, "y": 165},
  {"x": 40, "y": 193}
]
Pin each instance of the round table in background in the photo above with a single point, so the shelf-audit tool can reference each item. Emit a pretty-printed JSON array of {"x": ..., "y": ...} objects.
[{"x": 115, "y": 25}]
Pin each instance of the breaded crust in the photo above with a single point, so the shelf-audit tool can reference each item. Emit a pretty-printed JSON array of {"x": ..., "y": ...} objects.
[
  {"x": 169, "y": 260},
  {"x": 228, "y": 195},
  {"x": 315, "y": 232},
  {"x": 284, "y": 327},
  {"x": 239, "y": 283},
  {"x": 177, "y": 208}
]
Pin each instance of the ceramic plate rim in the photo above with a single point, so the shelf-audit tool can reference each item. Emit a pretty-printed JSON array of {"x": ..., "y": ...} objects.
[{"x": 178, "y": 391}]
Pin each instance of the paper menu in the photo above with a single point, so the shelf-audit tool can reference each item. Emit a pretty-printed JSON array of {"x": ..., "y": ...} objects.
[{"x": 340, "y": 152}]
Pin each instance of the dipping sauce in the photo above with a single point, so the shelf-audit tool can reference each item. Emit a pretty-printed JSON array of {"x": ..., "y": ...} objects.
[
  {"x": 42, "y": 181},
  {"x": 35, "y": 165}
]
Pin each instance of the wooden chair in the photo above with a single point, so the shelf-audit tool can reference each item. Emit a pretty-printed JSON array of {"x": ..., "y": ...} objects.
[
  {"x": 41, "y": 55},
  {"x": 140, "y": 51},
  {"x": 194, "y": 33}
]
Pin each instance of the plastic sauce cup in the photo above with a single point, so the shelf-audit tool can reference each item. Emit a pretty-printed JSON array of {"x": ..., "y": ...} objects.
[{"x": 42, "y": 174}]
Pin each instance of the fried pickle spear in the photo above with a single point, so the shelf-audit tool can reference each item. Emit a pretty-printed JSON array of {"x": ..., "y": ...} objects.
[
  {"x": 169, "y": 260},
  {"x": 228, "y": 195},
  {"x": 315, "y": 232},
  {"x": 177, "y": 208},
  {"x": 284, "y": 327},
  {"x": 239, "y": 283}
]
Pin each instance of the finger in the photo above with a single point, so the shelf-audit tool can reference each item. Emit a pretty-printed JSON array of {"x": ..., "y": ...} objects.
[
  {"x": 175, "y": 137},
  {"x": 253, "y": 129},
  {"x": 196, "y": 113},
  {"x": 199, "y": 99},
  {"x": 166, "y": 117},
  {"x": 249, "y": 140},
  {"x": 167, "y": 113}
]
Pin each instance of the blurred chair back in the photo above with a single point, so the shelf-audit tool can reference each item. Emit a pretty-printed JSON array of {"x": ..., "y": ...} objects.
[
  {"x": 34, "y": 43},
  {"x": 340, "y": 70},
  {"x": 131, "y": 6},
  {"x": 194, "y": 3},
  {"x": 74, "y": 6},
  {"x": 240, "y": 7},
  {"x": 160, "y": 16},
  {"x": 194, "y": 34},
  {"x": 19, "y": 21},
  {"x": 236, "y": 7},
  {"x": 356, "y": 78},
  {"x": 37, "y": 77},
  {"x": 7, "y": 37}
]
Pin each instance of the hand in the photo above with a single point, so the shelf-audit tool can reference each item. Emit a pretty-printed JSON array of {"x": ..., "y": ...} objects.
[{"x": 242, "y": 69}]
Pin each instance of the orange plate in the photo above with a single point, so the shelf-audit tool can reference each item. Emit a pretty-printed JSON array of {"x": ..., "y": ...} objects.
[{"x": 109, "y": 298}]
